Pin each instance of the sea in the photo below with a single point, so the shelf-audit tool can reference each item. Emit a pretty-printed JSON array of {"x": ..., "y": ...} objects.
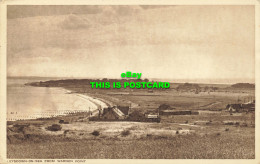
[{"x": 28, "y": 102}]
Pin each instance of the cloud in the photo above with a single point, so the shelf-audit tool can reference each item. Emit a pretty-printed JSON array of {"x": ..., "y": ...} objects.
[
  {"x": 23, "y": 11},
  {"x": 122, "y": 37},
  {"x": 75, "y": 22}
]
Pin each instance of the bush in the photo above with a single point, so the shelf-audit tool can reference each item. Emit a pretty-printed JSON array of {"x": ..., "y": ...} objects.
[
  {"x": 227, "y": 129},
  {"x": 54, "y": 127},
  {"x": 244, "y": 124},
  {"x": 208, "y": 123},
  {"x": 65, "y": 132},
  {"x": 125, "y": 133},
  {"x": 148, "y": 135},
  {"x": 95, "y": 133},
  {"x": 136, "y": 115}
]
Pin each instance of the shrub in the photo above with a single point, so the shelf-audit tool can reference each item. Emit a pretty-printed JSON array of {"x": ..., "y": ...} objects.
[
  {"x": 177, "y": 132},
  {"x": 136, "y": 114},
  {"x": 208, "y": 123},
  {"x": 237, "y": 123},
  {"x": 125, "y": 133},
  {"x": 148, "y": 135},
  {"x": 227, "y": 129},
  {"x": 65, "y": 132},
  {"x": 95, "y": 133},
  {"x": 54, "y": 127},
  {"x": 244, "y": 124}
]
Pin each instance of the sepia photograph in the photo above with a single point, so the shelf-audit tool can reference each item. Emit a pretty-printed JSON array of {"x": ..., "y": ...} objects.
[{"x": 130, "y": 82}]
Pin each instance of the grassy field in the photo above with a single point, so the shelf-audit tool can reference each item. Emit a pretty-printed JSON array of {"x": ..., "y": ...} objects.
[
  {"x": 144, "y": 100},
  {"x": 214, "y": 146},
  {"x": 178, "y": 137}
]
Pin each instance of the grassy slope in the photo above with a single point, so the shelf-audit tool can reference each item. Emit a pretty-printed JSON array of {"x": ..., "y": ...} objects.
[
  {"x": 210, "y": 141},
  {"x": 224, "y": 146}
]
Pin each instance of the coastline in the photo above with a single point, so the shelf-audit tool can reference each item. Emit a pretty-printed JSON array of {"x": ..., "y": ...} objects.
[
  {"x": 92, "y": 104},
  {"x": 97, "y": 101},
  {"x": 212, "y": 129}
]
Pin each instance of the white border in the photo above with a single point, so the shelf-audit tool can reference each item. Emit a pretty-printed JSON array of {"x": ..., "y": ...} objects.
[{"x": 128, "y": 2}]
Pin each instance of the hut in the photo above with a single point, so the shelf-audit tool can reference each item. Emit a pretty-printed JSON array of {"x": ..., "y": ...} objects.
[
  {"x": 115, "y": 113},
  {"x": 234, "y": 107}
]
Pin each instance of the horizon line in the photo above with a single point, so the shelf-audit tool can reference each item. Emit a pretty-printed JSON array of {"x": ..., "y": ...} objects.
[{"x": 195, "y": 80}]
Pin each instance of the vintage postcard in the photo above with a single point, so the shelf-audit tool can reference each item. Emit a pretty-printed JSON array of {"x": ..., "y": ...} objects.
[{"x": 82, "y": 81}]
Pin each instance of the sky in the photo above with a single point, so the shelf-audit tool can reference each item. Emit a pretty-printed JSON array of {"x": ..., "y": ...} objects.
[{"x": 212, "y": 43}]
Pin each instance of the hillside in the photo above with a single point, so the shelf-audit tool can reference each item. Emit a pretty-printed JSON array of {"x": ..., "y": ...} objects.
[{"x": 243, "y": 85}]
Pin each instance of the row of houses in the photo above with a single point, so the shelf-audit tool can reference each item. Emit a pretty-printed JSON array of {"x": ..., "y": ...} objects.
[
  {"x": 114, "y": 113},
  {"x": 245, "y": 107},
  {"x": 124, "y": 113}
]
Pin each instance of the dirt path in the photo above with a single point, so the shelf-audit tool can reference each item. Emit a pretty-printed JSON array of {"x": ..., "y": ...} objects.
[{"x": 210, "y": 104}]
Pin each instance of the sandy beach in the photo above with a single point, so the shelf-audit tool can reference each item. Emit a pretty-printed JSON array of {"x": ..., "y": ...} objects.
[{"x": 26, "y": 102}]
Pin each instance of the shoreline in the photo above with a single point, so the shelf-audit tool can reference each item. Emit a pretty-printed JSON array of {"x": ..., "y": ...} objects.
[
  {"x": 52, "y": 114},
  {"x": 95, "y": 101}
]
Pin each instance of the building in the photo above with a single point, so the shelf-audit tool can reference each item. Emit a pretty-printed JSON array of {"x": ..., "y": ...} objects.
[
  {"x": 234, "y": 108},
  {"x": 122, "y": 113},
  {"x": 115, "y": 113},
  {"x": 246, "y": 107},
  {"x": 151, "y": 115}
]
